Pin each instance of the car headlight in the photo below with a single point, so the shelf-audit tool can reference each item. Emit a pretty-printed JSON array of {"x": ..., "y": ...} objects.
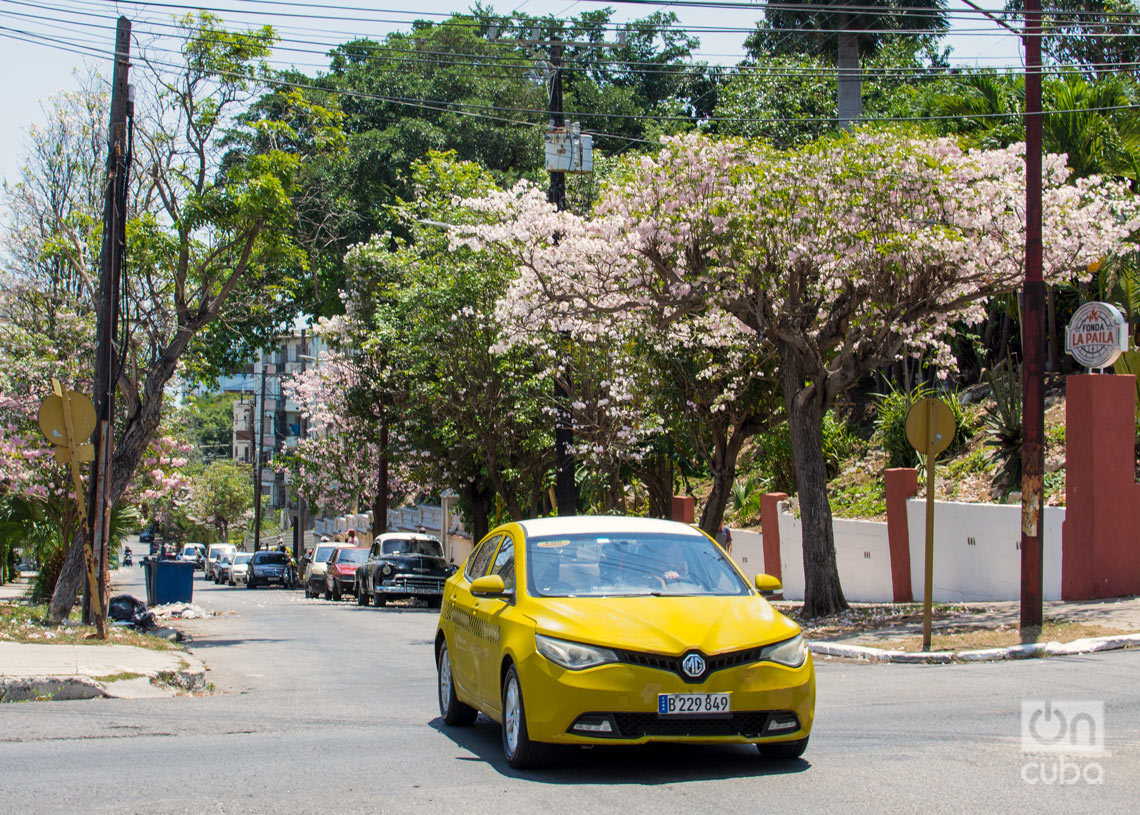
[
  {"x": 791, "y": 653},
  {"x": 573, "y": 655}
]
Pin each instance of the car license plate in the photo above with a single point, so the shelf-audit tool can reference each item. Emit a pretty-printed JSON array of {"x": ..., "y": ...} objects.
[{"x": 694, "y": 704}]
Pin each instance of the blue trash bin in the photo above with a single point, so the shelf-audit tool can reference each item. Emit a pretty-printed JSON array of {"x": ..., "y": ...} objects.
[{"x": 168, "y": 581}]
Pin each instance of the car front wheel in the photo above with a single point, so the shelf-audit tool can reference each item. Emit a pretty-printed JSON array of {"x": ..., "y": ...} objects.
[
  {"x": 783, "y": 750},
  {"x": 521, "y": 752},
  {"x": 451, "y": 709}
]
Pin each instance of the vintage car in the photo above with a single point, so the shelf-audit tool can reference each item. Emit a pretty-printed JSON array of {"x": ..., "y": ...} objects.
[
  {"x": 615, "y": 630},
  {"x": 194, "y": 553},
  {"x": 402, "y": 565},
  {"x": 340, "y": 574}
]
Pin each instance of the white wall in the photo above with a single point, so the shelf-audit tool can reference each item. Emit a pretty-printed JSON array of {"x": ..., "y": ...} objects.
[{"x": 987, "y": 570}]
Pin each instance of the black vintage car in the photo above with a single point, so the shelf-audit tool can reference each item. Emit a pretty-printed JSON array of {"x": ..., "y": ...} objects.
[{"x": 402, "y": 565}]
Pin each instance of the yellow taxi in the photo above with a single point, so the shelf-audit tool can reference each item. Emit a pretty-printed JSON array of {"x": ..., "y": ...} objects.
[{"x": 616, "y": 630}]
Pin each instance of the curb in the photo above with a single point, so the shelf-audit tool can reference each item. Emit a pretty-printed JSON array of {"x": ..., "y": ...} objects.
[
  {"x": 190, "y": 676},
  {"x": 1025, "y": 651}
]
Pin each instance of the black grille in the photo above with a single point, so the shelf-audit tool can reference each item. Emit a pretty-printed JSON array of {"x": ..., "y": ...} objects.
[
  {"x": 426, "y": 584},
  {"x": 749, "y": 724},
  {"x": 718, "y": 662}
]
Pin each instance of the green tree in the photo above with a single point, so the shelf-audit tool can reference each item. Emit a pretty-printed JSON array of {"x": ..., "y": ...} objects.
[
  {"x": 222, "y": 495},
  {"x": 208, "y": 238},
  {"x": 1098, "y": 37},
  {"x": 209, "y": 424}
]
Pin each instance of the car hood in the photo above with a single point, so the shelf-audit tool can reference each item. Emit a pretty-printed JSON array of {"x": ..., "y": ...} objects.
[
  {"x": 663, "y": 625},
  {"x": 318, "y": 568}
]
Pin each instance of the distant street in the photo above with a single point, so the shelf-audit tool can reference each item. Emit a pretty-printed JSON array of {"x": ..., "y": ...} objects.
[{"x": 331, "y": 707}]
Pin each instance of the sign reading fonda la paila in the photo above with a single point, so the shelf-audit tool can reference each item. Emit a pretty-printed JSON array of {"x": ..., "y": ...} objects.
[{"x": 1097, "y": 335}]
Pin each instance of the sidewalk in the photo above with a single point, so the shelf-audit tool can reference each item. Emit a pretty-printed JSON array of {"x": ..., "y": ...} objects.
[
  {"x": 966, "y": 632},
  {"x": 35, "y": 671}
]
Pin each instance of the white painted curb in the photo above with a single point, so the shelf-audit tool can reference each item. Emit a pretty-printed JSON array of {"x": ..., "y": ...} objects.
[{"x": 1026, "y": 651}]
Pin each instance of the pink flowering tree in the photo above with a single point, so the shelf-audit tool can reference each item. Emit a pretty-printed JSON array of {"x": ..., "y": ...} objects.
[
  {"x": 338, "y": 466},
  {"x": 839, "y": 257}
]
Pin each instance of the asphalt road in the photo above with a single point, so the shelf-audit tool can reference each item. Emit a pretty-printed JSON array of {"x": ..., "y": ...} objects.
[{"x": 331, "y": 707}]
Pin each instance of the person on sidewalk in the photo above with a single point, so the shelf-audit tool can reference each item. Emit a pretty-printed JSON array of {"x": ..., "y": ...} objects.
[{"x": 724, "y": 538}]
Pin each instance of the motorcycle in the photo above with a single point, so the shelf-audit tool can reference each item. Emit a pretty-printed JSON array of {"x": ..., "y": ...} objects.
[{"x": 127, "y": 558}]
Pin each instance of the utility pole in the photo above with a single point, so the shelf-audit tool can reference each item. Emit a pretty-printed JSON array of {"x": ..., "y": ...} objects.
[
  {"x": 1033, "y": 339},
  {"x": 849, "y": 89},
  {"x": 107, "y": 314},
  {"x": 302, "y": 504},
  {"x": 565, "y": 493},
  {"x": 258, "y": 462}
]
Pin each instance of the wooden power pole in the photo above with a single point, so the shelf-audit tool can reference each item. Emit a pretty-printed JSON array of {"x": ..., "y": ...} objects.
[
  {"x": 1033, "y": 339},
  {"x": 99, "y": 492}
]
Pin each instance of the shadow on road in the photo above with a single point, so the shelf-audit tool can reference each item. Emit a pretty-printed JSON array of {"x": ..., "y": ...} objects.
[
  {"x": 648, "y": 764},
  {"x": 217, "y": 643}
]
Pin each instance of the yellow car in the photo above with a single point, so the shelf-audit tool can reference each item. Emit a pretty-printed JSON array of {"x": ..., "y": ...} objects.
[{"x": 614, "y": 630}]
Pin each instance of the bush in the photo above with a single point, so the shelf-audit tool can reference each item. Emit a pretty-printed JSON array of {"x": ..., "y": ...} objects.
[
  {"x": 773, "y": 459},
  {"x": 890, "y": 423}
]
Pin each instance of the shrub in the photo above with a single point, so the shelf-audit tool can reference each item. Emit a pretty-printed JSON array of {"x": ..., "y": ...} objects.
[{"x": 890, "y": 423}]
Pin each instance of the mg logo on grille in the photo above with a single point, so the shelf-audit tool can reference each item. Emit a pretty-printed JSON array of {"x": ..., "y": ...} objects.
[{"x": 693, "y": 665}]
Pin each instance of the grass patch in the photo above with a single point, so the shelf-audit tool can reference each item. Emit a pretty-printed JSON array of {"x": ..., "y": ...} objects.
[
  {"x": 119, "y": 677},
  {"x": 968, "y": 638},
  {"x": 25, "y": 622}
]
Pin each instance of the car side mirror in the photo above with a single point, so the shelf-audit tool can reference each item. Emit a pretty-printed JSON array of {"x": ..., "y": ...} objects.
[
  {"x": 768, "y": 585},
  {"x": 489, "y": 585}
]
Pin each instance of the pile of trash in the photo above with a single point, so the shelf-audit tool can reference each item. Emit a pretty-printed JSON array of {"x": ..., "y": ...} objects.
[{"x": 127, "y": 610}]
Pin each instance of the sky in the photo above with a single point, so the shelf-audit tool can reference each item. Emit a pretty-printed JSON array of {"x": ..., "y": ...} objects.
[{"x": 32, "y": 33}]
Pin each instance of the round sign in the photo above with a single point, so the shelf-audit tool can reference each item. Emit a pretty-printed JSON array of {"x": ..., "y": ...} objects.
[
  {"x": 1097, "y": 335},
  {"x": 930, "y": 425},
  {"x": 82, "y": 418}
]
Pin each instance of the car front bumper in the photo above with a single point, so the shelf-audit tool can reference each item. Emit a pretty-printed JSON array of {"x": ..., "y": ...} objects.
[{"x": 764, "y": 697}]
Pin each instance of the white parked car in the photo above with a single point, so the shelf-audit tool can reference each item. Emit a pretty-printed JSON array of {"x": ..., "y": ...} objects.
[
  {"x": 193, "y": 553},
  {"x": 315, "y": 566},
  {"x": 213, "y": 553},
  {"x": 239, "y": 568}
]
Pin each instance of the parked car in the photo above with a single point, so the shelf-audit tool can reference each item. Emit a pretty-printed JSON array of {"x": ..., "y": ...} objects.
[
  {"x": 340, "y": 576},
  {"x": 402, "y": 565},
  {"x": 313, "y": 570},
  {"x": 267, "y": 567},
  {"x": 238, "y": 569},
  {"x": 222, "y": 567},
  {"x": 213, "y": 552},
  {"x": 193, "y": 553},
  {"x": 614, "y": 630}
]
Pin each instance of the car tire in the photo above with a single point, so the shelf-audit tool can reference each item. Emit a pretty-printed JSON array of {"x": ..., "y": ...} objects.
[
  {"x": 336, "y": 594},
  {"x": 328, "y": 593},
  {"x": 452, "y": 711},
  {"x": 378, "y": 599},
  {"x": 250, "y": 583},
  {"x": 361, "y": 597},
  {"x": 783, "y": 750},
  {"x": 520, "y": 751}
]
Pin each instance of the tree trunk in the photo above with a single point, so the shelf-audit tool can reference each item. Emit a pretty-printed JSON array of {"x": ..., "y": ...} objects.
[
  {"x": 850, "y": 92},
  {"x": 726, "y": 451},
  {"x": 805, "y": 407},
  {"x": 380, "y": 502},
  {"x": 479, "y": 501},
  {"x": 657, "y": 476}
]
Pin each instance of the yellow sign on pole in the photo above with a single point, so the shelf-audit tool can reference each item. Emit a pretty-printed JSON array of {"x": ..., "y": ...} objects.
[
  {"x": 67, "y": 418},
  {"x": 930, "y": 430}
]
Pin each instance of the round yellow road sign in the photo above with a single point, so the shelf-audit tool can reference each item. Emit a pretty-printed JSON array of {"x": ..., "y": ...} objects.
[
  {"x": 930, "y": 421},
  {"x": 82, "y": 418}
]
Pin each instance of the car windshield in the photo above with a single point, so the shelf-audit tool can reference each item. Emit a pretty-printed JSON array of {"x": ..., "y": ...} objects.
[
  {"x": 601, "y": 565},
  {"x": 353, "y": 556},
  {"x": 242, "y": 558},
  {"x": 274, "y": 558},
  {"x": 411, "y": 546},
  {"x": 322, "y": 553}
]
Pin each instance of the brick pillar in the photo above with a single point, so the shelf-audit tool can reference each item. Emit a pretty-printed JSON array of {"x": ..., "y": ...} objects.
[
  {"x": 770, "y": 529},
  {"x": 1100, "y": 544},
  {"x": 902, "y": 483},
  {"x": 684, "y": 509}
]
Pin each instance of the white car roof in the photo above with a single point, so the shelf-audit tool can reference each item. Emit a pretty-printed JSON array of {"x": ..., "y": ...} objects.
[
  {"x": 403, "y": 536},
  {"x": 597, "y": 524}
]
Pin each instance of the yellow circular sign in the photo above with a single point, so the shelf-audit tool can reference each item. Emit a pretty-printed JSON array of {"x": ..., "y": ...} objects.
[
  {"x": 930, "y": 426},
  {"x": 82, "y": 418}
]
